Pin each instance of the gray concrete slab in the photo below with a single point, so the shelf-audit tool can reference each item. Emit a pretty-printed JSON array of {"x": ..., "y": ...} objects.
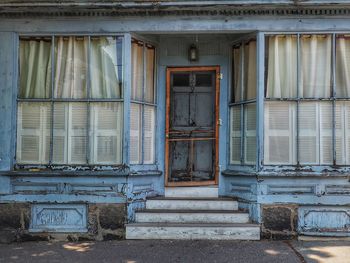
[
  {"x": 323, "y": 251},
  {"x": 152, "y": 251}
]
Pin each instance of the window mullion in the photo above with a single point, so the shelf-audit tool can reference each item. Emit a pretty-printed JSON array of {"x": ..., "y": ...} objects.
[
  {"x": 143, "y": 106},
  {"x": 333, "y": 91},
  {"x": 242, "y": 105},
  {"x": 51, "y": 97},
  {"x": 88, "y": 88},
  {"x": 298, "y": 100}
]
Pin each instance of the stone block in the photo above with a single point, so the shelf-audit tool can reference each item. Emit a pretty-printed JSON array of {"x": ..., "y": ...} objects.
[
  {"x": 112, "y": 216},
  {"x": 106, "y": 221},
  {"x": 14, "y": 216},
  {"x": 279, "y": 221}
]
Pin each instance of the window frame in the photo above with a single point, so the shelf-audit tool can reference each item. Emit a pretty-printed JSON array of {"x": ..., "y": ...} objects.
[
  {"x": 123, "y": 38},
  {"x": 242, "y": 103},
  {"x": 301, "y": 169},
  {"x": 142, "y": 103}
]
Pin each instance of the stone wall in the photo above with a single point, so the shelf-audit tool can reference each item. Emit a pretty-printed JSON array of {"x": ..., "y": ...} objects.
[
  {"x": 279, "y": 221},
  {"x": 104, "y": 222}
]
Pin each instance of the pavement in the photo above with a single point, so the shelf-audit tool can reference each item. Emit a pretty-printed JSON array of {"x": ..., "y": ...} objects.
[{"x": 154, "y": 251}]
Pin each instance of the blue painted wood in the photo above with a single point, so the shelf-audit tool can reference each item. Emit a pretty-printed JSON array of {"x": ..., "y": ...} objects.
[
  {"x": 8, "y": 94},
  {"x": 324, "y": 220},
  {"x": 163, "y": 25},
  {"x": 260, "y": 88},
  {"x": 58, "y": 218},
  {"x": 126, "y": 96}
]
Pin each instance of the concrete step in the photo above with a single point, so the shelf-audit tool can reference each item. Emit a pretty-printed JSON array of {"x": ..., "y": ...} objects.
[
  {"x": 193, "y": 231},
  {"x": 192, "y": 204},
  {"x": 188, "y": 216},
  {"x": 203, "y": 191}
]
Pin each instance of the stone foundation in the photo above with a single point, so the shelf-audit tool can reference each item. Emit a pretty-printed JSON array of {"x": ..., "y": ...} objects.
[
  {"x": 279, "y": 221},
  {"x": 104, "y": 222}
]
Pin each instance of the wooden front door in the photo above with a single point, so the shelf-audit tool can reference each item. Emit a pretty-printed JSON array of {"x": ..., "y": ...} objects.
[{"x": 192, "y": 116}]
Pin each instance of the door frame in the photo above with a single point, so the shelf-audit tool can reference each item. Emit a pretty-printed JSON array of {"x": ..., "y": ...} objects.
[{"x": 170, "y": 70}]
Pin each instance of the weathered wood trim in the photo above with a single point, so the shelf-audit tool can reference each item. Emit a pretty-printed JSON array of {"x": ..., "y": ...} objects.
[
  {"x": 169, "y": 70},
  {"x": 188, "y": 8}
]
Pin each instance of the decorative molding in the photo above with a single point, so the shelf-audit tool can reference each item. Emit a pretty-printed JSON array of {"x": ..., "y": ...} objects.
[
  {"x": 290, "y": 189},
  {"x": 337, "y": 189},
  {"x": 142, "y": 188},
  {"x": 58, "y": 218},
  {"x": 20, "y": 186},
  {"x": 213, "y": 10},
  {"x": 324, "y": 219},
  {"x": 247, "y": 188}
]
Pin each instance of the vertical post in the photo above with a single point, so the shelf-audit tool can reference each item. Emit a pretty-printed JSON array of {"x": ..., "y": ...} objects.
[
  {"x": 15, "y": 83},
  {"x": 260, "y": 85},
  {"x": 126, "y": 93},
  {"x": 241, "y": 104}
]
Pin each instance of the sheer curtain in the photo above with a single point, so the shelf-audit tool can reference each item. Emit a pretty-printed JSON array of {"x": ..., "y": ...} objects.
[
  {"x": 280, "y": 134},
  {"x": 137, "y": 71},
  {"x": 35, "y": 68},
  {"x": 250, "y": 70},
  {"x": 237, "y": 78},
  {"x": 71, "y": 56},
  {"x": 104, "y": 77},
  {"x": 343, "y": 67},
  {"x": 316, "y": 54},
  {"x": 150, "y": 67},
  {"x": 80, "y": 129},
  {"x": 315, "y": 119},
  {"x": 282, "y": 67}
]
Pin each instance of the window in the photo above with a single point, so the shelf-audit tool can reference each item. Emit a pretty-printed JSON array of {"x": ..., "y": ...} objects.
[
  {"x": 143, "y": 104},
  {"x": 243, "y": 104},
  {"x": 70, "y": 100},
  {"x": 306, "y": 100}
]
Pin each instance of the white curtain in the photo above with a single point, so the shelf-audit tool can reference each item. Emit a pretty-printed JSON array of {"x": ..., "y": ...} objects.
[
  {"x": 316, "y": 54},
  {"x": 343, "y": 67},
  {"x": 250, "y": 70},
  {"x": 104, "y": 77},
  {"x": 282, "y": 67},
  {"x": 71, "y": 67},
  {"x": 237, "y": 78},
  {"x": 150, "y": 61},
  {"x": 35, "y": 68},
  {"x": 137, "y": 71}
]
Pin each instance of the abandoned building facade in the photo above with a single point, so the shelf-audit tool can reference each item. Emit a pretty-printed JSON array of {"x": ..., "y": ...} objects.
[{"x": 174, "y": 119}]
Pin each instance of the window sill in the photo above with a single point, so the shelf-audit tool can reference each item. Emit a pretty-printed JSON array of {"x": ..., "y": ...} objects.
[
  {"x": 230, "y": 172},
  {"x": 146, "y": 173},
  {"x": 60, "y": 173},
  {"x": 101, "y": 173},
  {"x": 291, "y": 172}
]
